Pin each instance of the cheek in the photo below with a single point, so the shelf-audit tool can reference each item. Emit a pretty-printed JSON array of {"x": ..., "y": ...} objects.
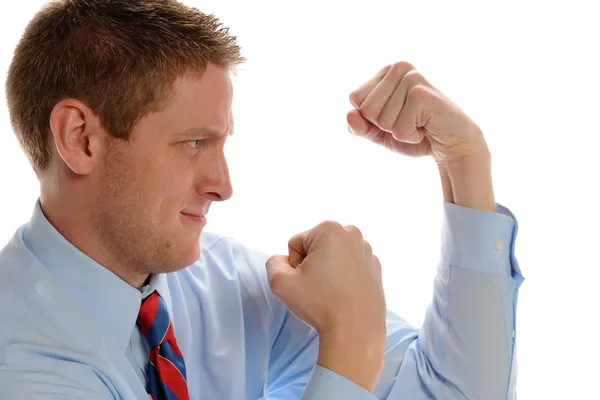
[
  {"x": 165, "y": 180},
  {"x": 173, "y": 186}
]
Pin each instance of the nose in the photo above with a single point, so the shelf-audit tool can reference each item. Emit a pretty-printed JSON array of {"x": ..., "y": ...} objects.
[{"x": 214, "y": 180}]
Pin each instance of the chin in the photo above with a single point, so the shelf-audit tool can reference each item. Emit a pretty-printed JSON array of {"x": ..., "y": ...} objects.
[
  {"x": 181, "y": 251},
  {"x": 190, "y": 256}
]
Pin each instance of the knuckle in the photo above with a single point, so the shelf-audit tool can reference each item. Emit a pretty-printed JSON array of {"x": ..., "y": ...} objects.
[
  {"x": 377, "y": 265},
  {"x": 293, "y": 239},
  {"x": 369, "y": 111},
  {"x": 353, "y": 229},
  {"x": 355, "y": 98},
  {"x": 377, "y": 262},
  {"x": 417, "y": 93},
  {"x": 402, "y": 66},
  {"x": 414, "y": 77},
  {"x": 385, "y": 69},
  {"x": 271, "y": 259},
  {"x": 330, "y": 226},
  {"x": 276, "y": 282}
]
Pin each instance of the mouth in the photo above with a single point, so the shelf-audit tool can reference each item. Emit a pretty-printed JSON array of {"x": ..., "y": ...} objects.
[{"x": 199, "y": 219}]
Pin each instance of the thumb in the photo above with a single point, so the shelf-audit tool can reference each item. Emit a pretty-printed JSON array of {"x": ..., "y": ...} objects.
[
  {"x": 357, "y": 125},
  {"x": 282, "y": 276}
]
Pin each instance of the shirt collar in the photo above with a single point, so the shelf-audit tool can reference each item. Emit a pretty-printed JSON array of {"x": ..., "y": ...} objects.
[
  {"x": 105, "y": 296},
  {"x": 159, "y": 283}
]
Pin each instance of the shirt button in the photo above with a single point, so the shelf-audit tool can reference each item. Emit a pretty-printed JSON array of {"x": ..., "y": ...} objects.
[
  {"x": 513, "y": 333},
  {"x": 499, "y": 245}
]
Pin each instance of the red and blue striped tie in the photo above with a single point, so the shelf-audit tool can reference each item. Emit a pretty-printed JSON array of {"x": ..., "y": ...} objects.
[{"x": 166, "y": 369}]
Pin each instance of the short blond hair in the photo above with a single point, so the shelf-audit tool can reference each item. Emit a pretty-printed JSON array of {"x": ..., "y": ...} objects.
[{"x": 120, "y": 57}]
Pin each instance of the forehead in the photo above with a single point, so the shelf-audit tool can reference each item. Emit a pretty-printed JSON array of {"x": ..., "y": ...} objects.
[
  {"x": 213, "y": 85},
  {"x": 199, "y": 102}
]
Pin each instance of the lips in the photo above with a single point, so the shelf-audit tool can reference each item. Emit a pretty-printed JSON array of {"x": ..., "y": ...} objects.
[
  {"x": 199, "y": 218},
  {"x": 194, "y": 215}
]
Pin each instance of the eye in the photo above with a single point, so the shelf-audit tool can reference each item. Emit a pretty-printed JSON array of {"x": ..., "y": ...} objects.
[{"x": 194, "y": 143}]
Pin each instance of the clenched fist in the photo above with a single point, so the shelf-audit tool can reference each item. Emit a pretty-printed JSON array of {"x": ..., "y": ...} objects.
[
  {"x": 399, "y": 109},
  {"x": 332, "y": 281}
]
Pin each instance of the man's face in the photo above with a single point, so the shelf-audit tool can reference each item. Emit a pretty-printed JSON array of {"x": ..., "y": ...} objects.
[{"x": 173, "y": 168}]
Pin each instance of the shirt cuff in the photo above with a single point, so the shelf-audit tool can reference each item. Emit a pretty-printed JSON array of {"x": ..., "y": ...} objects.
[
  {"x": 326, "y": 385},
  {"x": 479, "y": 240}
]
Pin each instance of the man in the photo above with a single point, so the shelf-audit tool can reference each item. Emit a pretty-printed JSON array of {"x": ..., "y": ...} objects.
[{"x": 110, "y": 291}]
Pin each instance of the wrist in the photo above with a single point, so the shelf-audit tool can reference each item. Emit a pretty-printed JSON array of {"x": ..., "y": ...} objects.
[
  {"x": 358, "y": 358},
  {"x": 468, "y": 181}
]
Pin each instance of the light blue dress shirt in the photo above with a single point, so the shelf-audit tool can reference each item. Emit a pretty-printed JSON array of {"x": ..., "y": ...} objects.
[{"x": 68, "y": 325}]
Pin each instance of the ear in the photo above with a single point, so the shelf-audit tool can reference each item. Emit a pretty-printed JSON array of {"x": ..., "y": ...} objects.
[{"x": 76, "y": 131}]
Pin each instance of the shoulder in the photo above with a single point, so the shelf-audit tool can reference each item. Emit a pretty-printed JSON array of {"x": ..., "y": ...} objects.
[
  {"x": 34, "y": 296},
  {"x": 17, "y": 278}
]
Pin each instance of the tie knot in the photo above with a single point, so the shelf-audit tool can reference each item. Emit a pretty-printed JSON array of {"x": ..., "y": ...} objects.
[{"x": 154, "y": 320}]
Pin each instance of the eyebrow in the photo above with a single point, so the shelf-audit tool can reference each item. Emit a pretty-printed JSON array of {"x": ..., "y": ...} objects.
[{"x": 206, "y": 132}]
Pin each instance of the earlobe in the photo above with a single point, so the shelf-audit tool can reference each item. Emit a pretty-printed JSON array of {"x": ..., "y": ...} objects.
[{"x": 70, "y": 124}]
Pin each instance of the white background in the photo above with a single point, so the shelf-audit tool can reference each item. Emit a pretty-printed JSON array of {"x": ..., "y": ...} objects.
[{"x": 525, "y": 71}]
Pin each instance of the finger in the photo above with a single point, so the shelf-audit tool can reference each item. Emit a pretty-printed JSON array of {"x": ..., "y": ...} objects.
[
  {"x": 357, "y": 125},
  {"x": 298, "y": 247},
  {"x": 354, "y": 233},
  {"x": 303, "y": 244},
  {"x": 392, "y": 109},
  {"x": 281, "y": 276},
  {"x": 358, "y": 96},
  {"x": 377, "y": 268},
  {"x": 376, "y": 100},
  {"x": 410, "y": 126},
  {"x": 377, "y": 263},
  {"x": 368, "y": 249}
]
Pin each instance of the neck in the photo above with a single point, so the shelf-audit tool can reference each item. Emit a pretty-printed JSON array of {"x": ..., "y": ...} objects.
[{"x": 72, "y": 220}]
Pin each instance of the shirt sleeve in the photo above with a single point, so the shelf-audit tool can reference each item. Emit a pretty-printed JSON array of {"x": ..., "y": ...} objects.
[
  {"x": 293, "y": 373},
  {"x": 466, "y": 346}
]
